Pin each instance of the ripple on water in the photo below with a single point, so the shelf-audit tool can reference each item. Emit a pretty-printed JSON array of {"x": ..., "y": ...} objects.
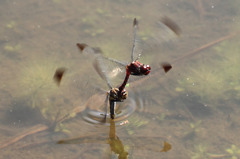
[{"x": 95, "y": 114}]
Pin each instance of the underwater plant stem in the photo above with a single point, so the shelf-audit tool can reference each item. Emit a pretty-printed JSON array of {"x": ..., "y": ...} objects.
[
  {"x": 37, "y": 129},
  {"x": 203, "y": 47},
  {"x": 33, "y": 130},
  {"x": 218, "y": 155}
]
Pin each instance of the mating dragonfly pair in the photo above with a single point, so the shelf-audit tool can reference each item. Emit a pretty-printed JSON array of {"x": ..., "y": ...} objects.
[{"x": 134, "y": 68}]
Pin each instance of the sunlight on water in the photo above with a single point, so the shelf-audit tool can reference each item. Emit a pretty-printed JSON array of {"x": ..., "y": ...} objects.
[{"x": 190, "y": 112}]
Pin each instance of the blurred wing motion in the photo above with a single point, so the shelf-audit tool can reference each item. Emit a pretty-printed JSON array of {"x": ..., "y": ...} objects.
[
  {"x": 166, "y": 66},
  {"x": 113, "y": 71},
  {"x": 110, "y": 70},
  {"x": 59, "y": 74},
  {"x": 150, "y": 39},
  {"x": 171, "y": 25}
]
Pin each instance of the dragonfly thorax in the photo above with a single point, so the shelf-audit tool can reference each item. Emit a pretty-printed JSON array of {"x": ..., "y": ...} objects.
[
  {"x": 116, "y": 95},
  {"x": 138, "y": 69}
]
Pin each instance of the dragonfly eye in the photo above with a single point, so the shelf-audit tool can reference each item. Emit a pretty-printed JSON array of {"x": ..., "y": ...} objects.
[{"x": 146, "y": 69}]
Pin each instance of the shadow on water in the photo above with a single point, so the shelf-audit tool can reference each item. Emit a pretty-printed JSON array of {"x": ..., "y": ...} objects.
[{"x": 116, "y": 144}]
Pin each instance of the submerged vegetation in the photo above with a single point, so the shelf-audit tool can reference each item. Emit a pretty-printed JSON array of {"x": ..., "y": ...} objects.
[
  {"x": 217, "y": 78},
  {"x": 234, "y": 152},
  {"x": 200, "y": 152},
  {"x": 38, "y": 90},
  {"x": 135, "y": 122},
  {"x": 194, "y": 129}
]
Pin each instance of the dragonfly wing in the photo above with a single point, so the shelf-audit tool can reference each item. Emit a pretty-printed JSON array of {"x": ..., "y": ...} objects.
[
  {"x": 109, "y": 69},
  {"x": 171, "y": 25},
  {"x": 165, "y": 30},
  {"x": 101, "y": 71},
  {"x": 84, "y": 48},
  {"x": 137, "y": 42},
  {"x": 106, "y": 108},
  {"x": 154, "y": 38}
]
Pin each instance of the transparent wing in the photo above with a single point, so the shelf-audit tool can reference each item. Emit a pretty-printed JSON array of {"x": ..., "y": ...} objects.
[
  {"x": 101, "y": 71},
  {"x": 110, "y": 70},
  {"x": 137, "y": 42},
  {"x": 152, "y": 38}
]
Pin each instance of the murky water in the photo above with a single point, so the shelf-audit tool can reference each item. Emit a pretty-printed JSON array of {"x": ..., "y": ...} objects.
[{"x": 194, "y": 107}]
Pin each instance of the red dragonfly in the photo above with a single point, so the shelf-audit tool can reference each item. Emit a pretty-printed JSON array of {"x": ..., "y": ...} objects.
[{"x": 135, "y": 68}]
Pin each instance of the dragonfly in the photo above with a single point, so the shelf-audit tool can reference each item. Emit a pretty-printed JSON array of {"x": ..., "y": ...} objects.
[
  {"x": 116, "y": 144},
  {"x": 135, "y": 68}
]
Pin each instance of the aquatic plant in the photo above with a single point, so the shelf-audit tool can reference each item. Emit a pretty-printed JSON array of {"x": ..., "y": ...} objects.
[
  {"x": 216, "y": 78},
  {"x": 94, "y": 31},
  {"x": 132, "y": 16},
  {"x": 161, "y": 117},
  {"x": 200, "y": 152},
  {"x": 202, "y": 81},
  {"x": 92, "y": 22},
  {"x": 194, "y": 129},
  {"x": 113, "y": 49},
  {"x": 135, "y": 122},
  {"x": 230, "y": 67},
  {"x": 12, "y": 48},
  {"x": 103, "y": 12},
  {"x": 35, "y": 85},
  {"x": 36, "y": 78},
  {"x": 234, "y": 152},
  {"x": 62, "y": 128},
  {"x": 11, "y": 25}
]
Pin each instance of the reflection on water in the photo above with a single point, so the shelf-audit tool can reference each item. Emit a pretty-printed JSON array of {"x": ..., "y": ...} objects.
[
  {"x": 117, "y": 146},
  {"x": 204, "y": 88},
  {"x": 95, "y": 111}
]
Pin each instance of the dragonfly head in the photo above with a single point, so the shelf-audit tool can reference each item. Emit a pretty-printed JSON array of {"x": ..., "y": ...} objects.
[{"x": 145, "y": 69}]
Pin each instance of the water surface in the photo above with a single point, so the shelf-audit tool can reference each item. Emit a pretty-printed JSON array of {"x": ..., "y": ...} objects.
[{"x": 195, "y": 107}]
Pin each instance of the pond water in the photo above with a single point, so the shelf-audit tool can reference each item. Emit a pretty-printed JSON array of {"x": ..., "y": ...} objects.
[{"x": 194, "y": 107}]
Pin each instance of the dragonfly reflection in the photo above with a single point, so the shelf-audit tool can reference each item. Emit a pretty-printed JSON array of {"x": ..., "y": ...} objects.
[{"x": 117, "y": 146}]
